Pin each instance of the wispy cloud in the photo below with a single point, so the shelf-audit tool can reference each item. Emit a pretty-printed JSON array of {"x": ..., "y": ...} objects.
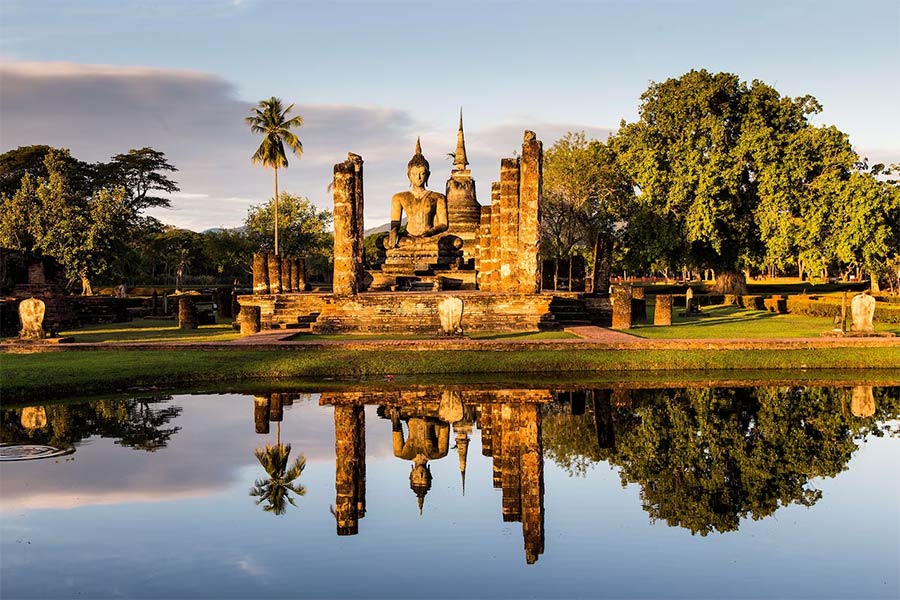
[{"x": 198, "y": 121}]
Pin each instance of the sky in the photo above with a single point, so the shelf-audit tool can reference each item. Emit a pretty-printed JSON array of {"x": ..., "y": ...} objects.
[{"x": 100, "y": 77}]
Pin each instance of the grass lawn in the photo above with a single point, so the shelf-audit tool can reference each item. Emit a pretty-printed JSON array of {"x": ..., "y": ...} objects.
[
  {"x": 485, "y": 335},
  {"x": 732, "y": 322},
  {"x": 152, "y": 330},
  {"x": 84, "y": 371}
]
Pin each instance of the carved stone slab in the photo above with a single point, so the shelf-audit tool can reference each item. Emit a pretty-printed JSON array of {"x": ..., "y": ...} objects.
[
  {"x": 450, "y": 312},
  {"x": 863, "y": 310},
  {"x": 31, "y": 315}
]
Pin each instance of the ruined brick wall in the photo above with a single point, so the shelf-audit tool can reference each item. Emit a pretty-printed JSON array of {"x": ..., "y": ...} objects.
[{"x": 509, "y": 239}]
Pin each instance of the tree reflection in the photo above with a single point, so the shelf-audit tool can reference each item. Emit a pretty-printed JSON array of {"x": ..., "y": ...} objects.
[
  {"x": 707, "y": 458},
  {"x": 139, "y": 423},
  {"x": 276, "y": 491}
]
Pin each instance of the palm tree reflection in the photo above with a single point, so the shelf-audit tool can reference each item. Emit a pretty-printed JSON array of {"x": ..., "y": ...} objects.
[{"x": 275, "y": 491}]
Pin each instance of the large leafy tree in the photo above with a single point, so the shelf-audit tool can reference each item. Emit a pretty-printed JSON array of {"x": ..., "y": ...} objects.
[
  {"x": 46, "y": 215},
  {"x": 270, "y": 119},
  {"x": 304, "y": 228},
  {"x": 700, "y": 155},
  {"x": 585, "y": 195}
]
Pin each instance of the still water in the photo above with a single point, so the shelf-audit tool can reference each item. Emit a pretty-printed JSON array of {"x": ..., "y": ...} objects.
[{"x": 409, "y": 490}]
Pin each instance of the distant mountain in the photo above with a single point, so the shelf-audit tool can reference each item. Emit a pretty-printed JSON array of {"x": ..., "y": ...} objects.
[
  {"x": 381, "y": 228},
  {"x": 241, "y": 229}
]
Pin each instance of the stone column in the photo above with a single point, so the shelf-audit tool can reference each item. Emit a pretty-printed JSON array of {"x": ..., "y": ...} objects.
[
  {"x": 511, "y": 464},
  {"x": 348, "y": 201},
  {"x": 298, "y": 275},
  {"x": 532, "y": 485},
  {"x": 621, "y": 301},
  {"x": 274, "y": 273},
  {"x": 187, "y": 313},
  {"x": 483, "y": 249},
  {"x": 276, "y": 409},
  {"x": 260, "y": 273},
  {"x": 638, "y": 304},
  {"x": 350, "y": 467},
  {"x": 508, "y": 224},
  {"x": 662, "y": 314},
  {"x": 261, "y": 414},
  {"x": 249, "y": 318},
  {"x": 287, "y": 267},
  {"x": 529, "y": 235}
]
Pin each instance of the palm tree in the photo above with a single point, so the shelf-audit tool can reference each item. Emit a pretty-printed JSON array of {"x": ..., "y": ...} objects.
[
  {"x": 270, "y": 119},
  {"x": 278, "y": 487}
]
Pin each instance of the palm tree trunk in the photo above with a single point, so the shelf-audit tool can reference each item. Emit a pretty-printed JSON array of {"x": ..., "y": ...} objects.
[{"x": 276, "y": 210}]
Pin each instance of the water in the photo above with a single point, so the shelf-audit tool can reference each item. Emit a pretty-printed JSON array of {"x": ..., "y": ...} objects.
[{"x": 785, "y": 491}]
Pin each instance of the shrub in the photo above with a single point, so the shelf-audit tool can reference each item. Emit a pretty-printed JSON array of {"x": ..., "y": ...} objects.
[
  {"x": 751, "y": 302},
  {"x": 820, "y": 307}
]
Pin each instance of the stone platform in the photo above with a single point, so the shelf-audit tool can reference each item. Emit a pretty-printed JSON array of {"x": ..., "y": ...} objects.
[{"x": 402, "y": 312}]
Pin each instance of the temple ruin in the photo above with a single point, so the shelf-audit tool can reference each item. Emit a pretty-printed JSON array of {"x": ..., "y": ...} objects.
[{"x": 439, "y": 245}]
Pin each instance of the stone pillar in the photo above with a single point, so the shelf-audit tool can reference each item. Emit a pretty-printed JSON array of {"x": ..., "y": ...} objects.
[
  {"x": 532, "y": 485},
  {"x": 298, "y": 275},
  {"x": 621, "y": 301},
  {"x": 235, "y": 305},
  {"x": 498, "y": 435},
  {"x": 261, "y": 414},
  {"x": 511, "y": 477},
  {"x": 274, "y": 274},
  {"x": 662, "y": 314},
  {"x": 276, "y": 409},
  {"x": 350, "y": 467},
  {"x": 638, "y": 304},
  {"x": 484, "y": 422},
  {"x": 348, "y": 219},
  {"x": 287, "y": 267},
  {"x": 260, "y": 273},
  {"x": 187, "y": 313},
  {"x": 508, "y": 224},
  {"x": 483, "y": 249},
  {"x": 249, "y": 318},
  {"x": 529, "y": 234}
]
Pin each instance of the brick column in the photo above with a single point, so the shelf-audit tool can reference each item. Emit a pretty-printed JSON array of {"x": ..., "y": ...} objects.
[
  {"x": 274, "y": 273},
  {"x": 509, "y": 224},
  {"x": 350, "y": 467},
  {"x": 348, "y": 207},
  {"x": 529, "y": 235},
  {"x": 260, "y": 273},
  {"x": 511, "y": 477},
  {"x": 532, "y": 486}
]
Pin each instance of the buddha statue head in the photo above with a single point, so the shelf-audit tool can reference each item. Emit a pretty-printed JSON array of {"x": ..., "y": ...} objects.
[{"x": 419, "y": 163}]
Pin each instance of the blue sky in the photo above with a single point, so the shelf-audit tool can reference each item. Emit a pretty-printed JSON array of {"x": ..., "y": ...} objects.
[{"x": 370, "y": 76}]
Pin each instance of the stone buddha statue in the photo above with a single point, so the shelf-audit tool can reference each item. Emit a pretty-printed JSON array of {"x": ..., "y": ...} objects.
[
  {"x": 429, "y": 439},
  {"x": 426, "y": 211}
]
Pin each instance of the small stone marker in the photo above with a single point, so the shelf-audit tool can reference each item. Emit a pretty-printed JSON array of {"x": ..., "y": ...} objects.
[
  {"x": 450, "y": 311},
  {"x": 621, "y": 301},
  {"x": 249, "y": 318},
  {"x": 863, "y": 310},
  {"x": 31, "y": 315},
  {"x": 187, "y": 313},
  {"x": 34, "y": 417},
  {"x": 662, "y": 314},
  {"x": 862, "y": 404}
]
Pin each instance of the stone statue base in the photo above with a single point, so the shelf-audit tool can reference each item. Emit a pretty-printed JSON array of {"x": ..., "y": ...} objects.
[{"x": 422, "y": 254}]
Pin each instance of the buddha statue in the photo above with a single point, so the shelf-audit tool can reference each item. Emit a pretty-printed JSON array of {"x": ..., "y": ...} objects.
[{"x": 426, "y": 211}]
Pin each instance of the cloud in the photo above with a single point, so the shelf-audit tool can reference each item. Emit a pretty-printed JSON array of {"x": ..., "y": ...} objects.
[{"x": 198, "y": 121}]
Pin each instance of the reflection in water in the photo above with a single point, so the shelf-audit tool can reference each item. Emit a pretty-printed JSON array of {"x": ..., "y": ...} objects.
[
  {"x": 703, "y": 458},
  {"x": 275, "y": 491}
]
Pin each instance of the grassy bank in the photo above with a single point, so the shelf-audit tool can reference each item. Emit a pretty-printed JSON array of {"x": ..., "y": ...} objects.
[{"x": 63, "y": 373}]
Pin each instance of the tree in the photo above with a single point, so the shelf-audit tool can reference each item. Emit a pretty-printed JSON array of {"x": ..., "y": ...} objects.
[
  {"x": 277, "y": 489},
  {"x": 47, "y": 216},
  {"x": 178, "y": 250},
  {"x": 304, "y": 227},
  {"x": 704, "y": 154},
  {"x": 30, "y": 159},
  {"x": 585, "y": 195},
  {"x": 271, "y": 120},
  {"x": 140, "y": 172}
]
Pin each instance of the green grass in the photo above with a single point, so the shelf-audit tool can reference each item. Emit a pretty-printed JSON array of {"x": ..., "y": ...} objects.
[
  {"x": 84, "y": 371},
  {"x": 735, "y": 323},
  {"x": 485, "y": 335},
  {"x": 152, "y": 330}
]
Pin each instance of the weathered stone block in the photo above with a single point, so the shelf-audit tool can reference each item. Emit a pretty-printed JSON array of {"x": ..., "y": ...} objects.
[
  {"x": 450, "y": 311},
  {"x": 31, "y": 316},
  {"x": 187, "y": 313},
  {"x": 274, "y": 273},
  {"x": 260, "y": 273},
  {"x": 862, "y": 308},
  {"x": 249, "y": 318},
  {"x": 662, "y": 313},
  {"x": 621, "y": 301}
]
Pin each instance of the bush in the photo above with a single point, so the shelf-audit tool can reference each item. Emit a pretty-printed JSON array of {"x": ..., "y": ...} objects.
[
  {"x": 819, "y": 307},
  {"x": 751, "y": 302},
  {"x": 776, "y": 304}
]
